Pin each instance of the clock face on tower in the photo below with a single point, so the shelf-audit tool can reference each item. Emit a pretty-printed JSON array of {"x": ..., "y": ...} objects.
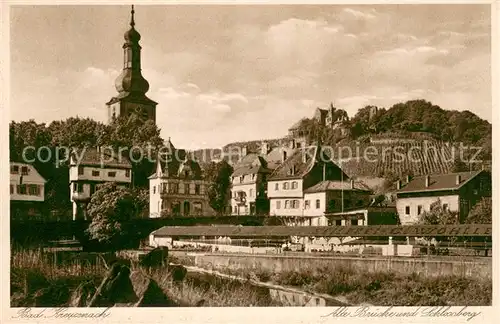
[{"x": 140, "y": 110}]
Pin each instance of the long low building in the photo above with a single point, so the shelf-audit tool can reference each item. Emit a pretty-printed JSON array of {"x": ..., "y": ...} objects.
[{"x": 323, "y": 231}]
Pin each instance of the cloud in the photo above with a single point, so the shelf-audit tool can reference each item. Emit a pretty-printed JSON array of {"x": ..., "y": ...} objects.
[
  {"x": 253, "y": 75},
  {"x": 360, "y": 14},
  {"x": 411, "y": 51}
]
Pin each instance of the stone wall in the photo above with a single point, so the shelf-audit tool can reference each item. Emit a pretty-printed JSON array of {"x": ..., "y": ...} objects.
[{"x": 482, "y": 268}]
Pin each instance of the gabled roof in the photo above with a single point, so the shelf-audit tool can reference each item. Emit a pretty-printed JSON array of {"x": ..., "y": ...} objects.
[
  {"x": 295, "y": 167},
  {"x": 253, "y": 163},
  {"x": 249, "y": 170},
  {"x": 95, "y": 157},
  {"x": 177, "y": 166},
  {"x": 33, "y": 175},
  {"x": 329, "y": 185},
  {"x": 438, "y": 182},
  {"x": 275, "y": 157}
]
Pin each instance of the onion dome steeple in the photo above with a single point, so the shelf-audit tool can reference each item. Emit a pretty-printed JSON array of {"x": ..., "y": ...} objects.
[
  {"x": 131, "y": 79},
  {"x": 130, "y": 84}
]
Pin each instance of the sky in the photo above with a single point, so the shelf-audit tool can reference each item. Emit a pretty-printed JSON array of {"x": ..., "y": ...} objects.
[{"x": 232, "y": 73}]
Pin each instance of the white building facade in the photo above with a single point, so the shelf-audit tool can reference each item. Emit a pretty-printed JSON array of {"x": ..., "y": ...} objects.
[
  {"x": 177, "y": 187},
  {"x": 288, "y": 184},
  {"x": 94, "y": 168},
  {"x": 27, "y": 191}
]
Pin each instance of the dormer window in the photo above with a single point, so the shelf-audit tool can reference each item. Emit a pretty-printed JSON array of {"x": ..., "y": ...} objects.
[
  {"x": 14, "y": 169},
  {"x": 24, "y": 170}
]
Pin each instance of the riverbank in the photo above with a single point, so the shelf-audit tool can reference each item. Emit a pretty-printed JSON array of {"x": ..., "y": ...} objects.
[
  {"x": 37, "y": 281},
  {"x": 356, "y": 286}
]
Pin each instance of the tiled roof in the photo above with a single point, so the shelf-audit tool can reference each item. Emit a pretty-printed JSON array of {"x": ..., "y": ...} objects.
[
  {"x": 174, "y": 163},
  {"x": 175, "y": 168},
  {"x": 438, "y": 182},
  {"x": 296, "y": 164},
  {"x": 300, "y": 163},
  {"x": 266, "y": 163},
  {"x": 322, "y": 231},
  {"x": 249, "y": 170},
  {"x": 275, "y": 157},
  {"x": 249, "y": 164},
  {"x": 337, "y": 185},
  {"x": 91, "y": 156}
]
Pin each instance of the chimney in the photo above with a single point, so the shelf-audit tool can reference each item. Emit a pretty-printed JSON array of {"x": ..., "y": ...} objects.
[
  {"x": 352, "y": 184},
  {"x": 427, "y": 181},
  {"x": 292, "y": 144},
  {"x": 264, "y": 149},
  {"x": 408, "y": 178},
  {"x": 398, "y": 184},
  {"x": 304, "y": 156},
  {"x": 283, "y": 156},
  {"x": 458, "y": 180},
  {"x": 244, "y": 151}
]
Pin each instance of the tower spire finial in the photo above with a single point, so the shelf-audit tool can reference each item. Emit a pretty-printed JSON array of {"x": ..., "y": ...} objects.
[{"x": 132, "y": 22}]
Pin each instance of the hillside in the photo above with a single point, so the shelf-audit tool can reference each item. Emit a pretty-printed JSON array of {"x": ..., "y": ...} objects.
[
  {"x": 414, "y": 137},
  {"x": 384, "y": 159}
]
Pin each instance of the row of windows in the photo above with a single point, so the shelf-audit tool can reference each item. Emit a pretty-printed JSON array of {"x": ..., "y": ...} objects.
[
  {"x": 96, "y": 173},
  {"x": 176, "y": 206},
  {"x": 14, "y": 169},
  {"x": 236, "y": 209},
  {"x": 250, "y": 193},
  {"x": 78, "y": 187},
  {"x": 286, "y": 185},
  {"x": 307, "y": 204},
  {"x": 173, "y": 188},
  {"x": 251, "y": 177},
  {"x": 31, "y": 189},
  {"x": 420, "y": 209},
  {"x": 289, "y": 204}
]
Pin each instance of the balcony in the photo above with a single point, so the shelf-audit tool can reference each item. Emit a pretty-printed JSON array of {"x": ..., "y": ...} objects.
[
  {"x": 240, "y": 198},
  {"x": 80, "y": 196}
]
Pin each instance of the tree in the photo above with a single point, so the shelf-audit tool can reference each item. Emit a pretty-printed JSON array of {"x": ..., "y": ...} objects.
[
  {"x": 481, "y": 213},
  {"x": 77, "y": 132},
  {"x": 141, "y": 201},
  {"x": 218, "y": 176},
  {"x": 109, "y": 207},
  {"x": 140, "y": 141},
  {"x": 438, "y": 216}
]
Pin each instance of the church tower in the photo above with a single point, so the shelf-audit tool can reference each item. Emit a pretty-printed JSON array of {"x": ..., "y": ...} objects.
[{"x": 130, "y": 84}]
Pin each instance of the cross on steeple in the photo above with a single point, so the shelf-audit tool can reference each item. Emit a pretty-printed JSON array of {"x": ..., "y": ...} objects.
[{"x": 132, "y": 22}]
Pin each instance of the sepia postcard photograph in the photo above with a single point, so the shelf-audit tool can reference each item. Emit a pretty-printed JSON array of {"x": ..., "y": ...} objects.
[{"x": 305, "y": 162}]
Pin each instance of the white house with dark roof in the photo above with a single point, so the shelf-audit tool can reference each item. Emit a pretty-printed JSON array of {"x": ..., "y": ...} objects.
[
  {"x": 90, "y": 167},
  {"x": 177, "y": 187},
  {"x": 457, "y": 192},
  {"x": 308, "y": 168},
  {"x": 27, "y": 191},
  {"x": 331, "y": 196},
  {"x": 249, "y": 179}
]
